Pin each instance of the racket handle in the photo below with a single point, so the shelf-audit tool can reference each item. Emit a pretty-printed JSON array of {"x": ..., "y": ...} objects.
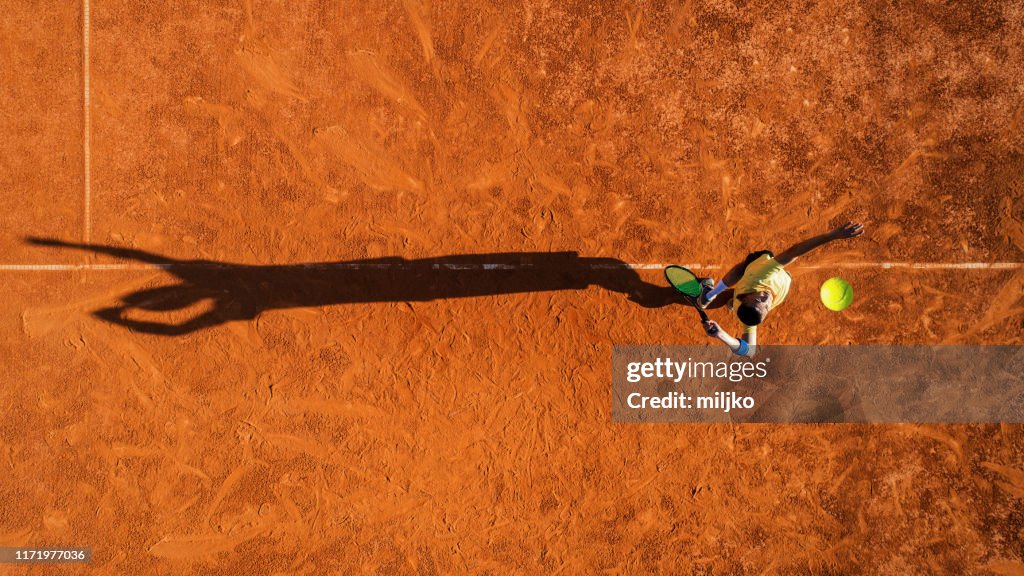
[{"x": 703, "y": 314}]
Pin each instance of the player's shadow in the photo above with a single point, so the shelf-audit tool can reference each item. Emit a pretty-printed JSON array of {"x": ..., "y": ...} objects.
[{"x": 241, "y": 291}]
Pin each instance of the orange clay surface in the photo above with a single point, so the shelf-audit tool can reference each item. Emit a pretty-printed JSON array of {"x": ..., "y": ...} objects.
[{"x": 319, "y": 422}]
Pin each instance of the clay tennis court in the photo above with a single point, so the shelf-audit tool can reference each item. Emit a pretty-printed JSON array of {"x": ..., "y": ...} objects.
[{"x": 357, "y": 270}]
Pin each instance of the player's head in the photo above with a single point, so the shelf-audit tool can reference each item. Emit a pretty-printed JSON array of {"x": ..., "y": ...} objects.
[{"x": 753, "y": 307}]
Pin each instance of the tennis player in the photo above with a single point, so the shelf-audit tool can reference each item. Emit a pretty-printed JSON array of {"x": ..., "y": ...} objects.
[{"x": 757, "y": 285}]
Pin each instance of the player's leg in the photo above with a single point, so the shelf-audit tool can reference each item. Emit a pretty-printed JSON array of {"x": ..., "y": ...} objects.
[
  {"x": 719, "y": 300},
  {"x": 709, "y": 294}
]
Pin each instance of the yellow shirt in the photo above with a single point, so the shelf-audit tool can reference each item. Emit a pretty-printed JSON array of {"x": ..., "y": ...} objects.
[{"x": 765, "y": 273}]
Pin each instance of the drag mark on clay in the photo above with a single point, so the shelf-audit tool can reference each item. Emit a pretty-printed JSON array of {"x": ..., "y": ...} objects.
[
  {"x": 267, "y": 72},
  {"x": 385, "y": 81},
  {"x": 368, "y": 158},
  {"x": 488, "y": 42},
  {"x": 415, "y": 11}
]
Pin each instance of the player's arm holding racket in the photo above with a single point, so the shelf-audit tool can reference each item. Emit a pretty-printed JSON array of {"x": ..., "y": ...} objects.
[{"x": 745, "y": 345}]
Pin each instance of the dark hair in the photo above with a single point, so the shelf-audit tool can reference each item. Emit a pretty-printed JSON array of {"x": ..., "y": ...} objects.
[{"x": 749, "y": 315}]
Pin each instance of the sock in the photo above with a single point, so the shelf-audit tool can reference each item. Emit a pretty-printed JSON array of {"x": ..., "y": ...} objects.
[{"x": 718, "y": 289}]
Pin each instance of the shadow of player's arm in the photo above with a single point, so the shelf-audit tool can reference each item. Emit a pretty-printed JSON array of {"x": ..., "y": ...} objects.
[
  {"x": 653, "y": 296},
  {"x": 617, "y": 276},
  {"x": 118, "y": 252}
]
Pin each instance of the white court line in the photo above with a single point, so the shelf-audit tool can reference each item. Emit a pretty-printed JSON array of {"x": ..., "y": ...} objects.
[
  {"x": 401, "y": 265},
  {"x": 922, "y": 265},
  {"x": 71, "y": 267},
  {"x": 86, "y": 219}
]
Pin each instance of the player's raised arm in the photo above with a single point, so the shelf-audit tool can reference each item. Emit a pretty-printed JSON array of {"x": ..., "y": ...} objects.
[{"x": 848, "y": 230}]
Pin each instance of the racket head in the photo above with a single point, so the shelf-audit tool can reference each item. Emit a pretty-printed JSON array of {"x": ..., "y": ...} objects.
[{"x": 683, "y": 280}]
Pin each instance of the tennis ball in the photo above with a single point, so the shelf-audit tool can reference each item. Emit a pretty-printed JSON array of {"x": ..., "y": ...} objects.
[{"x": 836, "y": 294}]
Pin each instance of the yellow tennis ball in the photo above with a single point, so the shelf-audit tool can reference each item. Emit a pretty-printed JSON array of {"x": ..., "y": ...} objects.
[{"x": 836, "y": 294}]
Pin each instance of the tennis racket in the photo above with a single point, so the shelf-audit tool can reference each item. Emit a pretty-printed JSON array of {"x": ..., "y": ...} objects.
[{"x": 687, "y": 284}]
